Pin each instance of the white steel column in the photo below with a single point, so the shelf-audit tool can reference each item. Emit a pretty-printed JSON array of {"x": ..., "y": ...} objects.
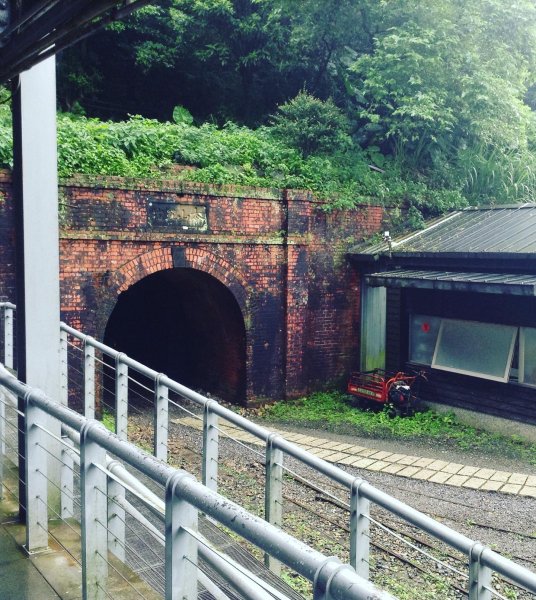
[
  {"x": 41, "y": 231},
  {"x": 36, "y": 198}
]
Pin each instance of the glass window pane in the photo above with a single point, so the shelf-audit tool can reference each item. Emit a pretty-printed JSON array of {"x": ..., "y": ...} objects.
[
  {"x": 528, "y": 345},
  {"x": 481, "y": 349},
  {"x": 423, "y": 331}
]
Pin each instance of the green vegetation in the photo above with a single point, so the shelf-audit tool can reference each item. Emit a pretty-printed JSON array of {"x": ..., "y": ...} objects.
[
  {"x": 431, "y": 587},
  {"x": 234, "y": 154},
  {"x": 312, "y": 126},
  {"x": 297, "y": 582},
  {"x": 430, "y": 104},
  {"x": 439, "y": 93},
  {"x": 108, "y": 420},
  {"x": 6, "y": 158},
  {"x": 334, "y": 411}
]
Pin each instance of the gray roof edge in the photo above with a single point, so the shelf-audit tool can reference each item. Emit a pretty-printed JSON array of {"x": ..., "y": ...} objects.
[
  {"x": 397, "y": 245},
  {"x": 490, "y": 283},
  {"x": 383, "y": 246},
  {"x": 486, "y": 207}
]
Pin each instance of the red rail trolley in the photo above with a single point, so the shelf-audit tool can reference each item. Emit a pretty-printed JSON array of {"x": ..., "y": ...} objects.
[{"x": 379, "y": 386}]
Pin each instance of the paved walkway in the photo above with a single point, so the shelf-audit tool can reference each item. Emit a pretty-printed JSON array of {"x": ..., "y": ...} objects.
[{"x": 403, "y": 465}]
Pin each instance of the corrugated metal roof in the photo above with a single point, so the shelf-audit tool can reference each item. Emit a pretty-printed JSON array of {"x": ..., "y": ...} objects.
[
  {"x": 488, "y": 283},
  {"x": 507, "y": 229}
]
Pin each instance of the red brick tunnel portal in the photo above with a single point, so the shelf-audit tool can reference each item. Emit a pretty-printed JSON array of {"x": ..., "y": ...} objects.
[{"x": 186, "y": 324}]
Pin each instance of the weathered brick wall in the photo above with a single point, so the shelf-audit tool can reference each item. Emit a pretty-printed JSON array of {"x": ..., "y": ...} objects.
[
  {"x": 324, "y": 311},
  {"x": 281, "y": 256}
]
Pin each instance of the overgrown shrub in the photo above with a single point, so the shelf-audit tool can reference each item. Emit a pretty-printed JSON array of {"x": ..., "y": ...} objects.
[
  {"x": 495, "y": 175},
  {"x": 6, "y": 142},
  {"x": 334, "y": 411},
  {"x": 311, "y": 125}
]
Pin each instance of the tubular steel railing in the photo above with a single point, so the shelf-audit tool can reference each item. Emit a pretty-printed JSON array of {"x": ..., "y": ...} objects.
[
  {"x": 8, "y": 313},
  {"x": 184, "y": 499},
  {"x": 482, "y": 561}
]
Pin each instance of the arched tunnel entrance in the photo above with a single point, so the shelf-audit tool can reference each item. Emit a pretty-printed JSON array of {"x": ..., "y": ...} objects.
[{"x": 186, "y": 324}]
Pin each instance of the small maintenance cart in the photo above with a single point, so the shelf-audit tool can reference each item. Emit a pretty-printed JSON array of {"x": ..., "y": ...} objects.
[{"x": 397, "y": 390}]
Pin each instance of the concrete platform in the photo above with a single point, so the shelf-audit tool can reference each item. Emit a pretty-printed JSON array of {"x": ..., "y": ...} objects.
[
  {"x": 55, "y": 573},
  {"x": 20, "y": 579}
]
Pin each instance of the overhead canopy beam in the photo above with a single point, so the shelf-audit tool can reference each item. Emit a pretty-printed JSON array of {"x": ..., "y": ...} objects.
[{"x": 42, "y": 28}]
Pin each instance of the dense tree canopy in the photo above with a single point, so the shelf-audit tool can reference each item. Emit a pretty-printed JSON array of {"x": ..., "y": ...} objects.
[
  {"x": 238, "y": 59},
  {"x": 224, "y": 59},
  {"x": 439, "y": 93},
  {"x": 452, "y": 75}
]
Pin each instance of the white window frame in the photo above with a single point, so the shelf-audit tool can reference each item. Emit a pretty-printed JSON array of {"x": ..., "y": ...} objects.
[
  {"x": 508, "y": 365},
  {"x": 521, "y": 376}
]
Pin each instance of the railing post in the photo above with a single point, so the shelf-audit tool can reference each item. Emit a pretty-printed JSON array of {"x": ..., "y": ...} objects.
[
  {"x": 36, "y": 478},
  {"x": 64, "y": 368},
  {"x": 479, "y": 575},
  {"x": 116, "y": 519},
  {"x": 2, "y": 440},
  {"x": 121, "y": 397},
  {"x": 210, "y": 447},
  {"x": 273, "y": 499},
  {"x": 359, "y": 530},
  {"x": 67, "y": 479},
  {"x": 89, "y": 379},
  {"x": 8, "y": 337},
  {"x": 67, "y": 466},
  {"x": 94, "y": 516},
  {"x": 181, "y": 547},
  {"x": 161, "y": 419}
]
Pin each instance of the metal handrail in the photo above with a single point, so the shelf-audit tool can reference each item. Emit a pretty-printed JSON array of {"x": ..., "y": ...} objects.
[
  {"x": 329, "y": 576},
  {"x": 471, "y": 548},
  {"x": 481, "y": 559}
]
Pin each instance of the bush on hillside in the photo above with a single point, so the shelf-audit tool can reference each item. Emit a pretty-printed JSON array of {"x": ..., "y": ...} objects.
[
  {"x": 311, "y": 125},
  {"x": 231, "y": 154}
]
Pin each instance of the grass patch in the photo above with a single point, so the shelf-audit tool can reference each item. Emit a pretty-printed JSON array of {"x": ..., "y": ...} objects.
[
  {"x": 108, "y": 420},
  {"x": 334, "y": 411}
]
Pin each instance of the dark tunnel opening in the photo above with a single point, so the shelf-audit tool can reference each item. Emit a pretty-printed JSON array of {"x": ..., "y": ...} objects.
[{"x": 186, "y": 324}]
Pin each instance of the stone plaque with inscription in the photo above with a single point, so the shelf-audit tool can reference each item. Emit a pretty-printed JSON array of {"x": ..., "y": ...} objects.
[{"x": 187, "y": 217}]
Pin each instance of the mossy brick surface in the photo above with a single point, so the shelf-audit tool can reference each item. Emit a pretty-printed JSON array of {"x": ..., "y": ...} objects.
[{"x": 282, "y": 257}]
